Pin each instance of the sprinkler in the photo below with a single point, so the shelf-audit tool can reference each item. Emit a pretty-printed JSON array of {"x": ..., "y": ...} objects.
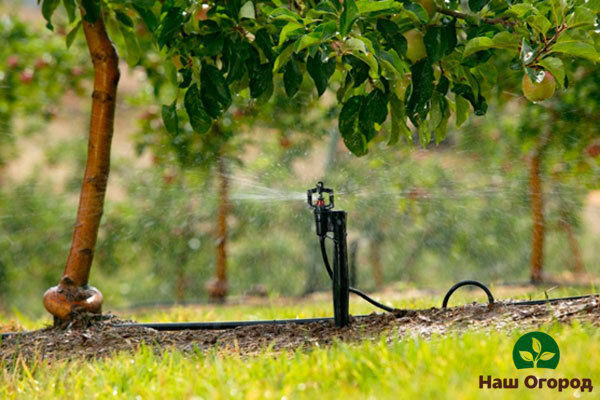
[{"x": 327, "y": 220}]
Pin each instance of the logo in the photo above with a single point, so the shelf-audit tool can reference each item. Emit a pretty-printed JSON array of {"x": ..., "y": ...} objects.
[{"x": 536, "y": 350}]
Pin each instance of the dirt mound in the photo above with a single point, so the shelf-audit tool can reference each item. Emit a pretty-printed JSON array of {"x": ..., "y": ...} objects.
[{"x": 92, "y": 336}]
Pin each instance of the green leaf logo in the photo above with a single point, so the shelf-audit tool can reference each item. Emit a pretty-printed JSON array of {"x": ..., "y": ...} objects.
[
  {"x": 537, "y": 346},
  {"x": 546, "y": 356},
  {"x": 536, "y": 350},
  {"x": 525, "y": 355}
]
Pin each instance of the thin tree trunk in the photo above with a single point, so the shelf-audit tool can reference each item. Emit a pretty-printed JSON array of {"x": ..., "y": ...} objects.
[
  {"x": 375, "y": 250},
  {"x": 577, "y": 260},
  {"x": 537, "y": 213},
  {"x": 180, "y": 281},
  {"x": 218, "y": 289},
  {"x": 73, "y": 291},
  {"x": 537, "y": 203}
]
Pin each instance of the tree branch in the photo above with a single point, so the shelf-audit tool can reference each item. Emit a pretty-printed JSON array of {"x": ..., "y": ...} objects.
[{"x": 464, "y": 16}]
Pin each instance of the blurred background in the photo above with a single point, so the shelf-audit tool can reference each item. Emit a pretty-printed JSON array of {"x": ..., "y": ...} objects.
[{"x": 417, "y": 217}]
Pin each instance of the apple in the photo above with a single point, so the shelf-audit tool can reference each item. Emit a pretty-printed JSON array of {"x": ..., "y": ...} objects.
[
  {"x": 77, "y": 71},
  {"x": 12, "y": 61},
  {"x": 40, "y": 63},
  {"x": 26, "y": 76},
  {"x": 538, "y": 91},
  {"x": 593, "y": 150},
  {"x": 429, "y": 6},
  {"x": 285, "y": 142},
  {"x": 416, "y": 46}
]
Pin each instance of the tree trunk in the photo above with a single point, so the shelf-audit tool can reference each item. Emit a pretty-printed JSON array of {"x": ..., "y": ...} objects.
[
  {"x": 73, "y": 292},
  {"x": 375, "y": 250},
  {"x": 218, "y": 287},
  {"x": 537, "y": 213},
  {"x": 577, "y": 260}
]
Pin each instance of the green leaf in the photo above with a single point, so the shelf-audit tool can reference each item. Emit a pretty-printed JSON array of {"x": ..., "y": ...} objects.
[
  {"x": 417, "y": 12},
  {"x": 92, "y": 10},
  {"x": 399, "y": 126},
  {"x": 477, "y": 44},
  {"x": 147, "y": 16},
  {"x": 292, "y": 78},
  {"x": 546, "y": 356},
  {"x": 247, "y": 11},
  {"x": 292, "y": 28},
  {"x": 320, "y": 71},
  {"x": 576, "y": 48},
  {"x": 505, "y": 40},
  {"x": 283, "y": 58},
  {"x": 367, "y": 6},
  {"x": 449, "y": 37},
  {"x": 477, "y": 5},
  {"x": 349, "y": 15},
  {"x": 48, "y": 8},
  {"x": 392, "y": 35},
  {"x": 305, "y": 41},
  {"x": 422, "y": 79},
  {"x": 373, "y": 110},
  {"x": 582, "y": 16},
  {"x": 263, "y": 40},
  {"x": 132, "y": 46},
  {"x": 171, "y": 24},
  {"x": 73, "y": 34},
  {"x": 124, "y": 19},
  {"x": 199, "y": 118},
  {"x": 462, "y": 110},
  {"x": 435, "y": 43},
  {"x": 216, "y": 97},
  {"x": 360, "y": 70},
  {"x": 71, "y": 8},
  {"x": 477, "y": 100},
  {"x": 539, "y": 23},
  {"x": 348, "y": 125},
  {"x": 556, "y": 67},
  {"x": 521, "y": 9},
  {"x": 525, "y": 355},
  {"x": 169, "y": 117},
  {"x": 261, "y": 78}
]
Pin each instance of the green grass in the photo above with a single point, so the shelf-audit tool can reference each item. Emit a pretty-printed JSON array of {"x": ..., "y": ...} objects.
[
  {"x": 440, "y": 367},
  {"x": 437, "y": 368}
]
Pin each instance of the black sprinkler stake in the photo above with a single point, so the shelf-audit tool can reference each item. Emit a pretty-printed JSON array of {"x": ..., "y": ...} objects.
[{"x": 327, "y": 220}]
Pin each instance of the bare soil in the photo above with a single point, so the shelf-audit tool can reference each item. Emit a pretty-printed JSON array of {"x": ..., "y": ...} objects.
[{"x": 93, "y": 336}]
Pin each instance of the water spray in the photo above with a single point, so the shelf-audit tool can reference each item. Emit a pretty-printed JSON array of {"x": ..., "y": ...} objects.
[{"x": 328, "y": 221}]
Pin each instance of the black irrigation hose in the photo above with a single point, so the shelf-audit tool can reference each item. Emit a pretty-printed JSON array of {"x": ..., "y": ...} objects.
[
  {"x": 550, "y": 300},
  {"x": 351, "y": 289},
  {"x": 510, "y": 303},
  {"x": 180, "y": 326},
  {"x": 470, "y": 283}
]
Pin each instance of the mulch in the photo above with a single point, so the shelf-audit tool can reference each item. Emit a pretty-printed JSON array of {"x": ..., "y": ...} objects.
[{"x": 94, "y": 336}]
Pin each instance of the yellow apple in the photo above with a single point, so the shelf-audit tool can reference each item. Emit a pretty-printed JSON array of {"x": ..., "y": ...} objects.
[
  {"x": 538, "y": 91},
  {"x": 416, "y": 46}
]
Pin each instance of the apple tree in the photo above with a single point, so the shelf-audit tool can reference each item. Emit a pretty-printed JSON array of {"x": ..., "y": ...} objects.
[{"x": 369, "y": 52}]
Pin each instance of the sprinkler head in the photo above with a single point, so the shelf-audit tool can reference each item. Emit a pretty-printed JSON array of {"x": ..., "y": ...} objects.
[
  {"x": 320, "y": 203},
  {"x": 320, "y": 207}
]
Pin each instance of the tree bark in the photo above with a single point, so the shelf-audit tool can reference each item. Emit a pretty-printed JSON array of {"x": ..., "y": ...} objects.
[
  {"x": 73, "y": 291},
  {"x": 537, "y": 213},
  {"x": 577, "y": 261},
  {"x": 218, "y": 287}
]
